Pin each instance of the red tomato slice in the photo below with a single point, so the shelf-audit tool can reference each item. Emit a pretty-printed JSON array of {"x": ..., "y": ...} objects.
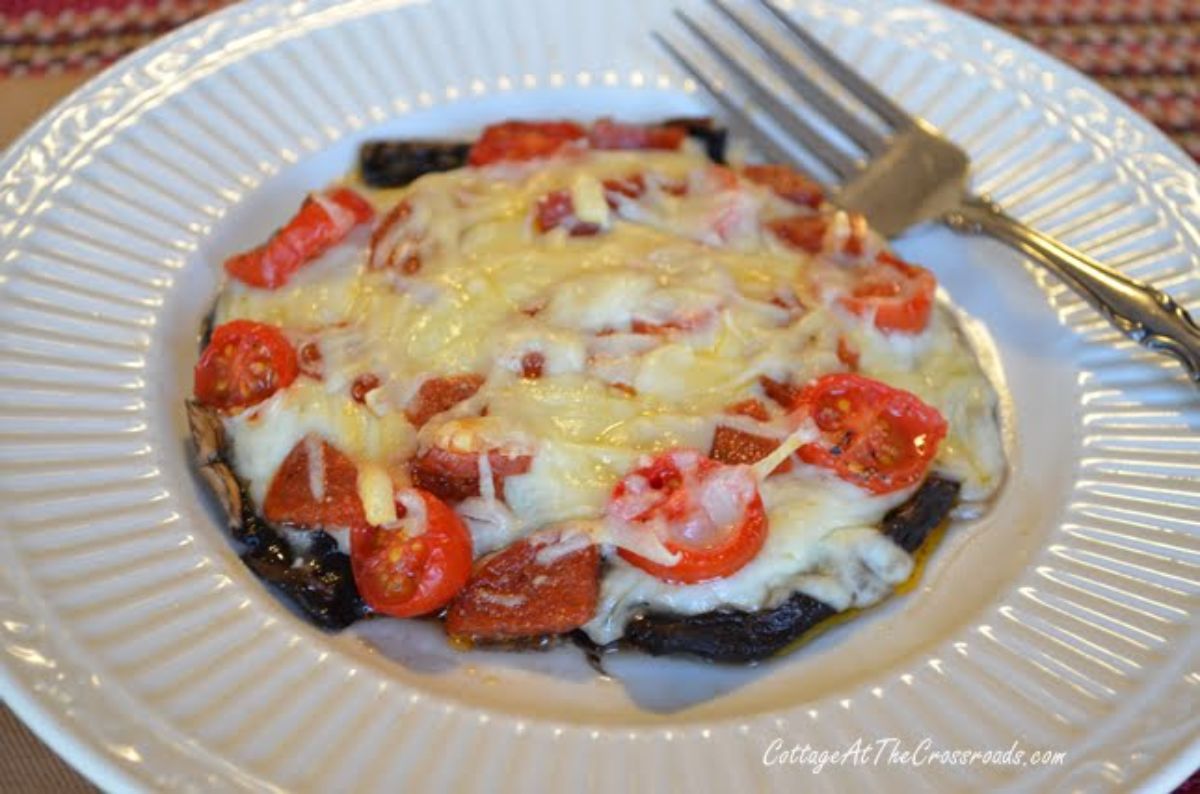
[
  {"x": 454, "y": 476},
  {"x": 440, "y": 394},
  {"x": 708, "y": 513},
  {"x": 322, "y": 221},
  {"x": 879, "y": 438},
  {"x": 609, "y": 134},
  {"x": 406, "y": 573},
  {"x": 518, "y": 141},
  {"x": 737, "y": 447},
  {"x": 291, "y": 500},
  {"x": 245, "y": 363},
  {"x": 900, "y": 294},
  {"x": 787, "y": 184},
  {"x": 528, "y": 590}
]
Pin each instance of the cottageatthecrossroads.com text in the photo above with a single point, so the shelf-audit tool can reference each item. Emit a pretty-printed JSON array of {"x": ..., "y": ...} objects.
[{"x": 894, "y": 752}]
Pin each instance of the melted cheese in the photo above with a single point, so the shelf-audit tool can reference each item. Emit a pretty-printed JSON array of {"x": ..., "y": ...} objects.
[{"x": 732, "y": 304}]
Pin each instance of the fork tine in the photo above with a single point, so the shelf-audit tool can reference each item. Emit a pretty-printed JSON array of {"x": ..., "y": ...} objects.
[
  {"x": 842, "y": 165},
  {"x": 856, "y": 85},
  {"x": 751, "y": 129},
  {"x": 805, "y": 86}
]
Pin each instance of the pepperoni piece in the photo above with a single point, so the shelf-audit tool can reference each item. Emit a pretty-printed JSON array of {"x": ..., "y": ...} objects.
[
  {"x": 786, "y": 183},
  {"x": 290, "y": 498},
  {"x": 527, "y": 590},
  {"x": 609, "y": 134},
  {"x": 441, "y": 394},
  {"x": 454, "y": 476},
  {"x": 734, "y": 446}
]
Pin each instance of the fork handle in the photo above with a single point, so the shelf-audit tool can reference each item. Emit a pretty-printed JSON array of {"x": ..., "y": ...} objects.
[{"x": 1146, "y": 315}]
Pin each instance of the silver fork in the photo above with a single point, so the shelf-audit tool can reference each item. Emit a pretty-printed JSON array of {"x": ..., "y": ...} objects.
[{"x": 911, "y": 174}]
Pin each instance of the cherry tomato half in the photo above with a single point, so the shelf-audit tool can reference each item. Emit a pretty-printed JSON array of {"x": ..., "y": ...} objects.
[
  {"x": 405, "y": 573},
  {"x": 322, "y": 221},
  {"x": 880, "y": 438},
  {"x": 518, "y": 141},
  {"x": 899, "y": 294},
  {"x": 245, "y": 363},
  {"x": 708, "y": 513}
]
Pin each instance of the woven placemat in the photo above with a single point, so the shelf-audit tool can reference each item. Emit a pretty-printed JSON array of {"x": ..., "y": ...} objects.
[{"x": 1145, "y": 51}]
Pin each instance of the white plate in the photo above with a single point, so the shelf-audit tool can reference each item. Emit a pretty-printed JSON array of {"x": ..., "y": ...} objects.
[{"x": 138, "y": 645}]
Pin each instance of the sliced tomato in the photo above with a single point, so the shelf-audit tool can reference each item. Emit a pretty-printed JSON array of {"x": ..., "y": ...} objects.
[
  {"x": 737, "y": 447},
  {"x": 529, "y": 589},
  {"x": 323, "y": 220},
  {"x": 314, "y": 462},
  {"x": 609, "y": 134},
  {"x": 878, "y": 437},
  {"x": 899, "y": 295},
  {"x": 440, "y": 394},
  {"x": 786, "y": 183},
  {"x": 454, "y": 476},
  {"x": 518, "y": 141},
  {"x": 406, "y": 571},
  {"x": 245, "y": 363},
  {"x": 707, "y": 513}
]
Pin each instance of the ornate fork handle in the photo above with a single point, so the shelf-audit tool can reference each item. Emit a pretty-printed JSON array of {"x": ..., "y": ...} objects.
[{"x": 1146, "y": 315}]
